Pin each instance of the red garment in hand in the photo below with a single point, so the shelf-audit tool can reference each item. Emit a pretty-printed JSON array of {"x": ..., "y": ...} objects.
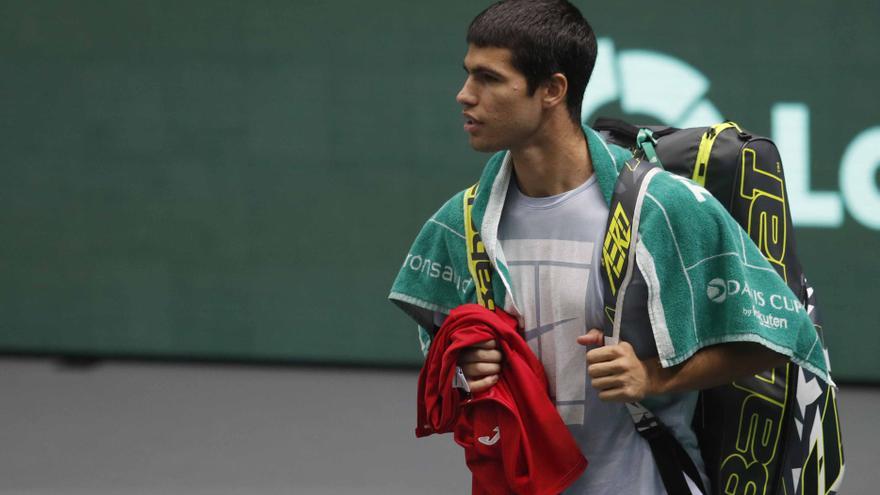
[{"x": 513, "y": 438}]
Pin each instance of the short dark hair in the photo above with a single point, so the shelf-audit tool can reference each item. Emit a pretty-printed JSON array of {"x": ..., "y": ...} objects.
[{"x": 545, "y": 37}]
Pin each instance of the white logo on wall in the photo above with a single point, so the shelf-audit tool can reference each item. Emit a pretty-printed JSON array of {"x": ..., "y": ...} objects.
[
  {"x": 673, "y": 92},
  {"x": 653, "y": 84}
]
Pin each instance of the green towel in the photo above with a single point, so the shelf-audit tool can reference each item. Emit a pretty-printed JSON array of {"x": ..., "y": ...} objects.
[{"x": 707, "y": 282}]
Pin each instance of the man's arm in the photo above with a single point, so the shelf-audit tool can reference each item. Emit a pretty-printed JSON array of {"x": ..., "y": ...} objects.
[{"x": 620, "y": 376}]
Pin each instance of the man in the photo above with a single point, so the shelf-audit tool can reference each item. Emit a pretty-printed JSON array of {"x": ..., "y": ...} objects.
[{"x": 528, "y": 64}]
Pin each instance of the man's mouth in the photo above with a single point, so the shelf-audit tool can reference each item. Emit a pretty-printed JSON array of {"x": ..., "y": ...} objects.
[{"x": 470, "y": 123}]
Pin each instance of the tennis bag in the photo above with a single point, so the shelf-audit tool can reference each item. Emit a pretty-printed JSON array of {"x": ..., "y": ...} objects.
[{"x": 778, "y": 432}]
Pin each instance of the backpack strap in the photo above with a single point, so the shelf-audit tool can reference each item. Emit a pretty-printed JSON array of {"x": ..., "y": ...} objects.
[
  {"x": 627, "y": 130},
  {"x": 701, "y": 167},
  {"x": 478, "y": 259},
  {"x": 673, "y": 462},
  {"x": 622, "y": 229},
  {"x": 618, "y": 262}
]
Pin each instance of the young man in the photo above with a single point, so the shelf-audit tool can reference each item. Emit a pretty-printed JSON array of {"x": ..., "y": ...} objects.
[{"x": 542, "y": 214}]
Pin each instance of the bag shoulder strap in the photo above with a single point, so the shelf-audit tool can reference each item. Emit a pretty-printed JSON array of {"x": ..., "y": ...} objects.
[
  {"x": 479, "y": 264},
  {"x": 701, "y": 167},
  {"x": 618, "y": 263},
  {"x": 630, "y": 131}
]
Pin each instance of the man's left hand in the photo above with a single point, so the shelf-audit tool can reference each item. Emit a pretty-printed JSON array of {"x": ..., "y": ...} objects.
[{"x": 615, "y": 371}]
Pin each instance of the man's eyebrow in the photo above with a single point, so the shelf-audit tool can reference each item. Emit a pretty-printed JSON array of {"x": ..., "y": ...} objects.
[{"x": 481, "y": 69}]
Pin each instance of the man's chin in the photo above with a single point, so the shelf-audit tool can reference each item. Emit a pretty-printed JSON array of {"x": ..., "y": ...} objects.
[{"x": 484, "y": 146}]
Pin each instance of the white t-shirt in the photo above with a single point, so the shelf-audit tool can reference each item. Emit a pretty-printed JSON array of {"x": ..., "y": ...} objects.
[{"x": 553, "y": 246}]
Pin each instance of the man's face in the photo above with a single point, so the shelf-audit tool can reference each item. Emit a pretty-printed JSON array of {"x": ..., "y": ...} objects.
[{"x": 498, "y": 111}]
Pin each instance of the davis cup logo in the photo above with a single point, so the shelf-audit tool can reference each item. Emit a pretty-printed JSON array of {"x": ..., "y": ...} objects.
[{"x": 717, "y": 290}]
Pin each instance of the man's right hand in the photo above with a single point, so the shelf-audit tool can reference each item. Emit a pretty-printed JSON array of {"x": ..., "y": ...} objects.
[{"x": 481, "y": 364}]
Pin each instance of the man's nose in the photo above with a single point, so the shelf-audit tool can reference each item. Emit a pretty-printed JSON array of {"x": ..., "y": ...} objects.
[{"x": 465, "y": 96}]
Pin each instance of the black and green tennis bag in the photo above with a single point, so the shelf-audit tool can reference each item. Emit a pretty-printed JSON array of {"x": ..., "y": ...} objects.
[{"x": 778, "y": 432}]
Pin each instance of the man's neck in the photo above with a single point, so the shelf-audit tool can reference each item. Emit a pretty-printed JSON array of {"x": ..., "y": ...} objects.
[{"x": 553, "y": 162}]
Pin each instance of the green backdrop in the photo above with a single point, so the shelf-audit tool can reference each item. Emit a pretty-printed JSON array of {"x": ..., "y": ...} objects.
[{"x": 241, "y": 180}]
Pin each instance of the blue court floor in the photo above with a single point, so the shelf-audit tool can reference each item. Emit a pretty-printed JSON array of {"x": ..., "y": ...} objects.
[{"x": 158, "y": 428}]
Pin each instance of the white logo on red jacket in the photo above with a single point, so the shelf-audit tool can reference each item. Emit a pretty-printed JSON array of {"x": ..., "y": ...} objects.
[{"x": 491, "y": 441}]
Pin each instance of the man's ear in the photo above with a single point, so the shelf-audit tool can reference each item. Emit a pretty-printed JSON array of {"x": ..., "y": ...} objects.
[{"x": 555, "y": 90}]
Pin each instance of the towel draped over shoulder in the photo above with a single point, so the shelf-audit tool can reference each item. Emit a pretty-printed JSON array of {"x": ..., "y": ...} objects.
[{"x": 707, "y": 281}]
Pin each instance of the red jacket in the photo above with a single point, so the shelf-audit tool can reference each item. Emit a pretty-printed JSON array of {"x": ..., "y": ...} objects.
[{"x": 513, "y": 438}]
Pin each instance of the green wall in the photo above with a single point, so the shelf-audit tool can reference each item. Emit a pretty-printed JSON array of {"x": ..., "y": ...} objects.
[{"x": 242, "y": 179}]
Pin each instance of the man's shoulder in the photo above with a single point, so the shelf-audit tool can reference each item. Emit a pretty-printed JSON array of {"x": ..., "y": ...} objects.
[
  {"x": 687, "y": 211},
  {"x": 453, "y": 206},
  {"x": 451, "y": 213},
  {"x": 677, "y": 196},
  {"x": 434, "y": 275},
  {"x": 680, "y": 221}
]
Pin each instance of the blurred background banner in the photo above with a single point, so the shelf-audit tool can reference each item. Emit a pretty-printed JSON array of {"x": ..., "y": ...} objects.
[{"x": 242, "y": 180}]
